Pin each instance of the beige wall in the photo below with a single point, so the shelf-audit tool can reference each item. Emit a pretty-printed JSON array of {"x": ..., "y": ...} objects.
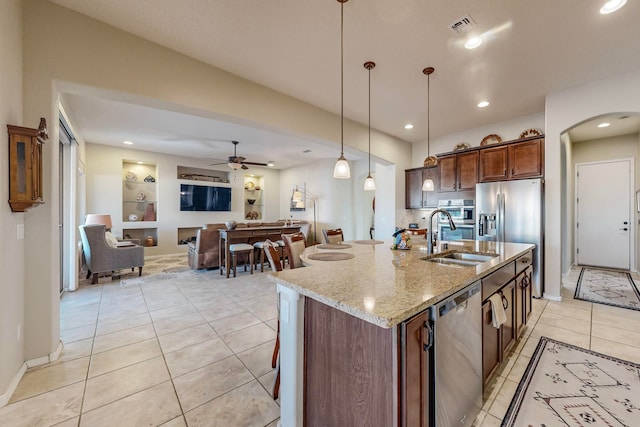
[{"x": 12, "y": 255}]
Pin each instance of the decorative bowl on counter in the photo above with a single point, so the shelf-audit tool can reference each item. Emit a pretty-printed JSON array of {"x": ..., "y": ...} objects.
[
  {"x": 231, "y": 225},
  {"x": 251, "y": 201}
]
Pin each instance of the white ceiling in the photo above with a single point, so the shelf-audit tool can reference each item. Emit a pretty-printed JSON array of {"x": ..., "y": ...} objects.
[{"x": 531, "y": 49}]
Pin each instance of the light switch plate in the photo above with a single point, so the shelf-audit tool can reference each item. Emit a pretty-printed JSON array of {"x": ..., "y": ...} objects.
[{"x": 20, "y": 231}]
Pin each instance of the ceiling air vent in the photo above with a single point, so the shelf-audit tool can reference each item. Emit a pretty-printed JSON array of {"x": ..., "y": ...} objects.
[{"x": 462, "y": 25}]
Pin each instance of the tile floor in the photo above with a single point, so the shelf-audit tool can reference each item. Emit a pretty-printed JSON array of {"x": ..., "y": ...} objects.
[
  {"x": 197, "y": 351},
  {"x": 158, "y": 351}
]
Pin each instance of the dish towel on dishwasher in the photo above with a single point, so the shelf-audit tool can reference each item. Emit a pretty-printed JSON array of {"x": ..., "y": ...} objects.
[{"x": 497, "y": 310}]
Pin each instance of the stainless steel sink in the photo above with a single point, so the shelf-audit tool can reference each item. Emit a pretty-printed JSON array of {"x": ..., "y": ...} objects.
[{"x": 460, "y": 258}]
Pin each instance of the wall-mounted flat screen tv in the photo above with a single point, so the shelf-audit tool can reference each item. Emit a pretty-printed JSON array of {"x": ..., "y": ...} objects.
[{"x": 204, "y": 198}]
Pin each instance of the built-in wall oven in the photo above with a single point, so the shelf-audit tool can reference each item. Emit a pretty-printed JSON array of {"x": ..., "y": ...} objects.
[{"x": 462, "y": 212}]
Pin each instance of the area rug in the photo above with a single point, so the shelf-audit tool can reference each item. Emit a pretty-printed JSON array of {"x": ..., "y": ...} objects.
[
  {"x": 608, "y": 287},
  {"x": 569, "y": 386},
  {"x": 161, "y": 267}
]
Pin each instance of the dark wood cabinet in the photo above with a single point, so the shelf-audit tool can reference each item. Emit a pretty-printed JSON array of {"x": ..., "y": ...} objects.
[
  {"x": 25, "y": 166},
  {"x": 447, "y": 173},
  {"x": 515, "y": 160},
  {"x": 523, "y": 300},
  {"x": 467, "y": 170},
  {"x": 458, "y": 172},
  {"x": 526, "y": 159},
  {"x": 415, "y": 343},
  {"x": 493, "y": 164},
  {"x": 490, "y": 343},
  {"x": 415, "y": 198},
  {"x": 507, "y": 330}
]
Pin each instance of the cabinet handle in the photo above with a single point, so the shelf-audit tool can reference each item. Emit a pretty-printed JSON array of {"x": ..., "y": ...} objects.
[
  {"x": 427, "y": 346},
  {"x": 512, "y": 171},
  {"x": 505, "y": 301},
  {"x": 504, "y": 172}
]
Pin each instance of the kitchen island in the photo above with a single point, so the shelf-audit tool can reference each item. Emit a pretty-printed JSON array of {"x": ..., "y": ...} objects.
[{"x": 344, "y": 356}]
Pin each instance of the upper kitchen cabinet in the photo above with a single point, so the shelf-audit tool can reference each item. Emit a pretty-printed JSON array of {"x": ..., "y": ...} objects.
[
  {"x": 516, "y": 160},
  {"x": 458, "y": 172},
  {"x": 415, "y": 198}
]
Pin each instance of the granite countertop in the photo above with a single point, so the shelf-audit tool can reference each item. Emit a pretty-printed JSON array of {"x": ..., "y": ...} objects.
[{"x": 384, "y": 286}]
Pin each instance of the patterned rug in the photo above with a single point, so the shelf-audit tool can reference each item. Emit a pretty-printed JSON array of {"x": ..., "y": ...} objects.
[
  {"x": 569, "y": 386},
  {"x": 608, "y": 287},
  {"x": 161, "y": 267}
]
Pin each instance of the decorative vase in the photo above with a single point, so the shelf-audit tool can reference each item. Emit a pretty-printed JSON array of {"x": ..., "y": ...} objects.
[
  {"x": 133, "y": 217},
  {"x": 149, "y": 213},
  {"x": 141, "y": 196},
  {"x": 231, "y": 225},
  {"x": 149, "y": 241}
]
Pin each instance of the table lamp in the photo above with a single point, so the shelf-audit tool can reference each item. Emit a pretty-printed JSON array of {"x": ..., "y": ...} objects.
[{"x": 104, "y": 219}]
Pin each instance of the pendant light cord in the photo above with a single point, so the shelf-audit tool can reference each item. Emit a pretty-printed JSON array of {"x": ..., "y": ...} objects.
[
  {"x": 341, "y": 79},
  {"x": 369, "y": 121},
  {"x": 428, "y": 110}
]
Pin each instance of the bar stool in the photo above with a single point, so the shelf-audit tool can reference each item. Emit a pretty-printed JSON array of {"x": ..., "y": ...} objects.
[
  {"x": 240, "y": 248},
  {"x": 259, "y": 246}
]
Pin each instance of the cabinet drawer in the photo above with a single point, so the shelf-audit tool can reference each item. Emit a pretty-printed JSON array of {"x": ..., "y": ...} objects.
[
  {"x": 497, "y": 279},
  {"x": 524, "y": 261}
]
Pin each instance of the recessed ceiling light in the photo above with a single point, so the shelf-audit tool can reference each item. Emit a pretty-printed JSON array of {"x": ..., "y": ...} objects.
[
  {"x": 483, "y": 104},
  {"x": 127, "y": 142},
  {"x": 604, "y": 125},
  {"x": 270, "y": 163},
  {"x": 408, "y": 126},
  {"x": 612, "y": 6},
  {"x": 473, "y": 42}
]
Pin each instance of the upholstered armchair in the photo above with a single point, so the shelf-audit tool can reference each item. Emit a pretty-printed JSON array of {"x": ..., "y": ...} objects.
[
  {"x": 204, "y": 252},
  {"x": 100, "y": 257}
]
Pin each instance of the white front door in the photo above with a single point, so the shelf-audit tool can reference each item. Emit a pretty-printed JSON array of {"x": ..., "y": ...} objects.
[{"x": 603, "y": 214}]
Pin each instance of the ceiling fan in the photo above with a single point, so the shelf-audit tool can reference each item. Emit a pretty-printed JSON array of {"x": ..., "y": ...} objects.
[{"x": 237, "y": 162}]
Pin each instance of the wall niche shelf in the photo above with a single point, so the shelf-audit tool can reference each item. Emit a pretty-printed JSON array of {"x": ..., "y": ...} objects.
[
  {"x": 207, "y": 175},
  {"x": 139, "y": 191},
  {"x": 253, "y": 202}
]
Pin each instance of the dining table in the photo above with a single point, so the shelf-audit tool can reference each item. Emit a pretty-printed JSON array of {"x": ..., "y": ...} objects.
[{"x": 249, "y": 235}]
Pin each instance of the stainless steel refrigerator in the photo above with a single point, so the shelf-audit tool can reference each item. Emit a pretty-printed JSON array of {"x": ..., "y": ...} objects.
[{"x": 512, "y": 211}]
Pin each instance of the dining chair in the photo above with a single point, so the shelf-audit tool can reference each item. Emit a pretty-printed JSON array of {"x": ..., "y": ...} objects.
[
  {"x": 274, "y": 260},
  {"x": 333, "y": 235},
  {"x": 294, "y": 243}
]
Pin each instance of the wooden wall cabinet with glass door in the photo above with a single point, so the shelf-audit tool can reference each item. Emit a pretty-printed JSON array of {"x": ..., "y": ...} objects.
[
  {"x": 458, "y": 172},
  {"x": 415, "y": 198},
  {"x": 25, "y": 166}
]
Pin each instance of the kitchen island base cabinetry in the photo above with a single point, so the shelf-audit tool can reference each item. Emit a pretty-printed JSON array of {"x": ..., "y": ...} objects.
[{"x": 349, "y": 369}]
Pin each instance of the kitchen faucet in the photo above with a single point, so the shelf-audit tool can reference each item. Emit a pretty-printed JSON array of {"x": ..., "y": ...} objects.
[{"x": 430, "y": 241}]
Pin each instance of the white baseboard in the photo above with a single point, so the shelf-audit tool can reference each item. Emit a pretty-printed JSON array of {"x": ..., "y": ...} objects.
[
  {"x": 46, "y": 359},
  {"x": 6, "y": 396},
  {"x": 552, "y": 297}
]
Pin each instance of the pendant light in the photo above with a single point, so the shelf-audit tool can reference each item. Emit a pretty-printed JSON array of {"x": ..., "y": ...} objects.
[
  {"x": 369, "y": 183},
  {"x": 427, "y": 185},
  {"x": 341, "y": 169}
]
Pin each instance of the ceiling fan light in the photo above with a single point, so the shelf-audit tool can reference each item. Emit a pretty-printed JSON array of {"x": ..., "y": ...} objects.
[
  {"x": 342, "y": 169},
  {"x": 427, "y": 185},
  {"x": 369, "y": 184},
  {"x": 234, "y": 166}
]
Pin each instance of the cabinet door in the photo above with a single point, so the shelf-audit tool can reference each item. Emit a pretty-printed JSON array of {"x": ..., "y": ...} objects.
[
  {"x": 507, "y": 329},
  {"x": 528, "y": 273},
  {"x": 519, "y": 318},
  {"x": 493, "y": 164},
  {"x": 413, "y": 188},
  {"x": 415, "y": 334},
  {"x": 526, "y": 159},
  {"x": 467, "y": 170},
  {"x": 447, "y": 169},
  {"x": 430, "y": 198},
  {"x": 490, "y": 343}
]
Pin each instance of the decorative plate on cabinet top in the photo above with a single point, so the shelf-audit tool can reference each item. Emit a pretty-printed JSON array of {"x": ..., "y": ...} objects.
[
  {"x": 461, "y": 146},
  {"x": 530, "y": 132},
  {"x": 491, "y": 139},
  {"x": 430, "y": 161},
  {"x": 249, "y": 185}
]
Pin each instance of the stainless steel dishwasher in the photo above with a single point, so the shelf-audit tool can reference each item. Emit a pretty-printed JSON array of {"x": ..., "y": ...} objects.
[{"x": 457, "y": 350}]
